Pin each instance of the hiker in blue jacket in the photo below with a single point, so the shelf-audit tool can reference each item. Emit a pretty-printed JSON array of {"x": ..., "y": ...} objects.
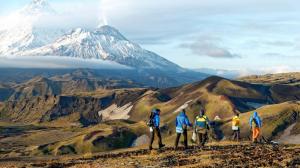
[
  {"x": 255, "y": 125},
  {"x": 182, "y": 122},
  {"x": 154, "y": 123}
]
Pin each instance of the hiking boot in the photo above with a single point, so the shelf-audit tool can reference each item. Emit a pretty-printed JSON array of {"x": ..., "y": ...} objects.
[{"x": 161, "y": 145}]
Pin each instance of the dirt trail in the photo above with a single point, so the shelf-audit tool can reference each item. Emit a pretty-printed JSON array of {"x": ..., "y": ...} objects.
[{"x": 210, "y": 156}]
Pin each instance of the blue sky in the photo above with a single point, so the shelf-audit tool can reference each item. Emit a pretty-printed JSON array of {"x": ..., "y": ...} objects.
[{"x": 228, "y": 34}]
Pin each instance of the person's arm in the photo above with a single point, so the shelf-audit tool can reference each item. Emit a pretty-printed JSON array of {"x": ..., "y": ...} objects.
[
  {"x": 260, "y": 122},
  {"x": 156, "y": 121},
  {"x": 187, "y": 122},
  {"x": 250, "y": 122},
  {"x": 207, "y": 122}
]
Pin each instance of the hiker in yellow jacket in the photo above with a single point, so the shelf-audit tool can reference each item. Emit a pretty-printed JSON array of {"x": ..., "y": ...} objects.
[
  {"x": 236, "y": 127},
  {"x": 201, "y": 127}
]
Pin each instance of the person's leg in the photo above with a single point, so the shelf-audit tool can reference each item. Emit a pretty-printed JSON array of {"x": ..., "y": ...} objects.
[
  {"x": 257, "y": 133},
  {"x": 205, "y": 138},
  {"x": 238, "y": 135},
  {"x": 199, "y": 138},
  {"x": 234, "y": 134},
  {"x": 253, "y": 134},
  {"x": 185, "y": 139},
  {"x": 160, "y": 144},
  {"x": 202, "y": 139},
  {"x": 151, "y": 139},
  {"x": 177, "y": 140}
]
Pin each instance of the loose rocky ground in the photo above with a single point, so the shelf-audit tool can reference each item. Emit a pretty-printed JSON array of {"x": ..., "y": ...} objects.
[{"x": 235, "y": 155}]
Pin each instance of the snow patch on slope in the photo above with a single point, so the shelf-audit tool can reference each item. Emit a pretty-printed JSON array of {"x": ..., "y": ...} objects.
[
  {"x": 114, "y": 112},
  {"x": 184, "y": 106}
]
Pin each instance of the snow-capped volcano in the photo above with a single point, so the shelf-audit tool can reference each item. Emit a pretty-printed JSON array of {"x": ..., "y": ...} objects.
[
  {"x": 24, "y": 36},
  {"x": 20, "y": 31},
  {"x": 28, "y": 32},
  {"x": 105, "y": 43}
]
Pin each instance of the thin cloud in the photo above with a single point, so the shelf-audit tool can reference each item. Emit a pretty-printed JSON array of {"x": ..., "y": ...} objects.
[
  {"x": 57, "y": 62},
  {"x": 278, "y": 55},
  {"x": 209, "y": 46},
  {"x": 280, "y": 43}
]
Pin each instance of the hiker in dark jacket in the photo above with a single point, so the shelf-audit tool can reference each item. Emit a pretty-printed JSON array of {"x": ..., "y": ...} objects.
[
  {"x": 182, "y": 122},
  {"x": 154, "y": 128},
  {"x": 201, "y": 127}
]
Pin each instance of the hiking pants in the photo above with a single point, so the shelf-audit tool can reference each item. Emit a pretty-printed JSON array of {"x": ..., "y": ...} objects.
[
  {"x": 236, "y": 135},
  {"x": 156, "y": 131},
  {"x": 255, "y": 133},
  {"x": 202, "y": 138},
  {"x": 185, "y": 138}
]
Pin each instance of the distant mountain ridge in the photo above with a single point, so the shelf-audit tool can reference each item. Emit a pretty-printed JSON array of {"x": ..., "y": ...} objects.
[
  {"x": 147, "y": 78},
  {"x": 292, "y": 78},
  {"x": 231, "y": 74}
]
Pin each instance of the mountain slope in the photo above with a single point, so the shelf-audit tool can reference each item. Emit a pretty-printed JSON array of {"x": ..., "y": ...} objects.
[
  {"x": 108, "y": 119},
  {"x": 71, "y": 83},
  {"x": 64, "y": 96}
]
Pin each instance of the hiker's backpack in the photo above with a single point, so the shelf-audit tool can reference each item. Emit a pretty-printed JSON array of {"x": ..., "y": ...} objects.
[
  {"x": 254, "y": 123},
  {"x": 150, "y": 122}
]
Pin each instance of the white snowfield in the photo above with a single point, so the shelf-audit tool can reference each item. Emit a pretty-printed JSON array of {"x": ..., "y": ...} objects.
[
  {"x": 105, "y": 43},
  {"x": 114, "y": 112},
  {"x": 184, "y": 106}
]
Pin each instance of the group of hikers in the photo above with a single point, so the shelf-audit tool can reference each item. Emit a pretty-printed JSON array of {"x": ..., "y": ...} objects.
[{"x": 200, "y": 127}]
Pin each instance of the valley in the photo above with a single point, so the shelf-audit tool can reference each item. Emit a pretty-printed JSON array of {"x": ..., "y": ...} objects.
[{"x": 77, "y": 115}]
